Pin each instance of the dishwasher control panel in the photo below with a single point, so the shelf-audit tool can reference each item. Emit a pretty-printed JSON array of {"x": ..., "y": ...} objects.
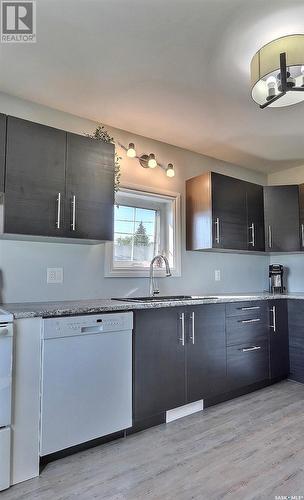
[{"x": 88, "y": 324}]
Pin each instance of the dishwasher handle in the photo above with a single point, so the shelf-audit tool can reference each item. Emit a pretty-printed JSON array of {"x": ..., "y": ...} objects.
[{"x": 92, "y": 329}]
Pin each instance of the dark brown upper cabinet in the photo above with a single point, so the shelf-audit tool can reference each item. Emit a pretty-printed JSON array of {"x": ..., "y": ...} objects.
[
  {"x": 301, "y": 211},
  {"x": 2, "y": 150},
  {"x": 255, "y": 217},
  {"x": 56, "y": 183},
  {"x": 282, "y": 225},
  {"x": 90, "y": 188},
  {"x": 224, "y": 213},
  {"x": 35, "y": 179}
]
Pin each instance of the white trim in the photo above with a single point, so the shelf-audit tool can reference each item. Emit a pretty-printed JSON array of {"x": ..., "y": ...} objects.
[
  {"x": 184, "y": 411},
  {"x": 110, "y": 272}
]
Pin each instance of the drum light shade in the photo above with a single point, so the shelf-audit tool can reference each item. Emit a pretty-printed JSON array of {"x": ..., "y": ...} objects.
[{"x": 270, "y": 85}]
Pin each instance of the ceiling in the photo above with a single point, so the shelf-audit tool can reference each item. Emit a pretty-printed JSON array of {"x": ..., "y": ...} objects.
[{"x": 173, "y": 70}]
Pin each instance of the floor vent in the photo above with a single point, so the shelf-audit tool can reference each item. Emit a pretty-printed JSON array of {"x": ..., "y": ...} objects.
[{"x": 183, "y": 411}]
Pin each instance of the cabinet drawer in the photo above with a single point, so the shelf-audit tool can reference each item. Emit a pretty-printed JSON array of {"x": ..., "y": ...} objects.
[
  {"x": 247, "y": 364},
  {"x": 249, "y": 328},
  {"x": 254, "y": 307}
]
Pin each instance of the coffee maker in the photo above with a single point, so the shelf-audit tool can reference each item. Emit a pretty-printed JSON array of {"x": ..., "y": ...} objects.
[{"x": 276, "y": 284}]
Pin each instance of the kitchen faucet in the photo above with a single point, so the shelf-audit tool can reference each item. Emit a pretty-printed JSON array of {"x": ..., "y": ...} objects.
[{"x": 153, "y": 290}]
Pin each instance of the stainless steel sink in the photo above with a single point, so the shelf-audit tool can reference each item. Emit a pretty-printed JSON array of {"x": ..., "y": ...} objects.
[{"x": 163, "y": 298}]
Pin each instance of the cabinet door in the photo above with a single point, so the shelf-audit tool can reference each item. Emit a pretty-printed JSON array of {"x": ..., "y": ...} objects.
[
  {"x": 159, "y": 362},
  {"x": 255, "y": 214},
  {"x": 301, "y": 211},
  {"x": 229, "y": 212},
  {"x": 90, "y": 188},
  {"x": 296, "y": 339},
  {"x": 35, "y": 177},
  {"x": 206, "y": 351},
  {"x": 2, "y": 150},
  {"x": 278, "y": 339},
  {"x": 247, "y": 364},
  {"x": 282, "y": 218}
]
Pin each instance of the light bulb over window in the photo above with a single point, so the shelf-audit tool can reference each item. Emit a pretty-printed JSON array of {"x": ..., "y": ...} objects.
[
  {"x": 170, "y": 170},
  {"x": 131, "y": 153},
  {"x": 152, "y": 163}
]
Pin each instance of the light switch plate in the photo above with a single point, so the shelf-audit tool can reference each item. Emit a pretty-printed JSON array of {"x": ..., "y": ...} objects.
[
  {"x": 54, "y": 275},
  {"x": 217, "y": 275}
]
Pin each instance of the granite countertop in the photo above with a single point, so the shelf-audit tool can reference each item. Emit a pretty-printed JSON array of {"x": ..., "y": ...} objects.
[{"x": 70, "y": 308}]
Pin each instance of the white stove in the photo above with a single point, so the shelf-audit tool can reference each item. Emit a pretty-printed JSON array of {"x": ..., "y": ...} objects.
[{"x": 6, "y": 361}]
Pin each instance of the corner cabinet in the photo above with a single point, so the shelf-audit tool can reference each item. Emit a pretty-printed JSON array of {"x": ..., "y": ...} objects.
[
  {"x": 224, "y": 213},
  {"x": 56, "y": 184}
]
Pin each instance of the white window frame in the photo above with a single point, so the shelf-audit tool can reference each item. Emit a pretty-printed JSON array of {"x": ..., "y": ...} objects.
[{"x": 140, "y": 272}]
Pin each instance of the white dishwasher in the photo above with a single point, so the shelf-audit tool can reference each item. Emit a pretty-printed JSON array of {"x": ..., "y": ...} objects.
[{"x": 86, "y": 388}]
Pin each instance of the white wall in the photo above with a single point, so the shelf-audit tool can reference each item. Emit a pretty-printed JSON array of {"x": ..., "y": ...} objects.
[
  {"x": 23, "y": 264},
  {"x": 293, "y": 175}
]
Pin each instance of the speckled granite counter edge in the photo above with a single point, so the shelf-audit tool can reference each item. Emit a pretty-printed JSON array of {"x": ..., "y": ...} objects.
[{"x": 71, "y": 308}]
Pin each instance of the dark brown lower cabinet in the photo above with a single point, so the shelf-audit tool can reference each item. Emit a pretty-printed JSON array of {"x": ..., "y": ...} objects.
[
  {"x": 179, "y": 357},
  {"x": 247, "y": 364},
  {"x": 159, "y": 362},
  {"x": 296, "y": 339},
  {"x": 211, "y": 352},
  {"x": 206, "y": 352},
  {"x": 278, "y": 339}
]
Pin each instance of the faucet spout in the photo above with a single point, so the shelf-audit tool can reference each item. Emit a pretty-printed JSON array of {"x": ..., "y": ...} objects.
[{"x": 153, "y": 289}]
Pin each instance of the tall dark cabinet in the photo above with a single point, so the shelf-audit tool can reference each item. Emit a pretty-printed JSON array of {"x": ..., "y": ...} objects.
[
  {"x": 55, "y": 183},
  {"x": 224, "y": 213},
  {"x": 282, "y": 226},
  {"x": 35, "y": 179}
]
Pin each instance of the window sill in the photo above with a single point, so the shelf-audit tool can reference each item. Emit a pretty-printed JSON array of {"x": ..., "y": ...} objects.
[{"x": 138, "y": 273}]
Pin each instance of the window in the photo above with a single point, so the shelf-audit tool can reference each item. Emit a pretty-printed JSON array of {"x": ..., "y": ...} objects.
[{"x": 145, "y": 224}]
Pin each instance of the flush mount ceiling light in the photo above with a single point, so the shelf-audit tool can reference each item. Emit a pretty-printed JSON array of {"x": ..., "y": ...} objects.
[
  {"x": 148, "y": 161},
  {"x": 277, "y": 72}
]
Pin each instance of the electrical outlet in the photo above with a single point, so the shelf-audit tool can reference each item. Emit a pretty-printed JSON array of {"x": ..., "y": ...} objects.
[
  {"x": 217, "y": 275},
  {"x": 54, "y": 275}
]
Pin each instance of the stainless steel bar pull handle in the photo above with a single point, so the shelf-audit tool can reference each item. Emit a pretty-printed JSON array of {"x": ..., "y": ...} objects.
[
  {"x": 255, "y": 348},
  {"x": 255, "y": 320},
  {"x": 302, "y": 234},
  {"x": 192, "y": 336},
  {"x": 274, "y": 319},
  {"x": 249, "y": 308},
  {"x": 269, "y": 237},
  {"x": 252, "y": 228},
  {"x": 182, "y": 338},
  {"x": 217, "y": 230},
  {"x": 73, "y": 224},
  {"x": 58, "y": 211}
]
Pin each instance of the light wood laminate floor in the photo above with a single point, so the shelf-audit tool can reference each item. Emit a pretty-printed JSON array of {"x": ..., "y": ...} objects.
[{"x": 248, "y": 448}]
